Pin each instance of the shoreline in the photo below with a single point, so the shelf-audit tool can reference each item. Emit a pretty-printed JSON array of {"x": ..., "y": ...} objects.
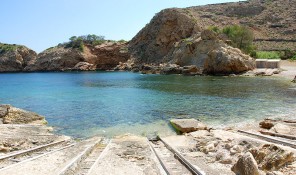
[{"x": 204, "y": 146}]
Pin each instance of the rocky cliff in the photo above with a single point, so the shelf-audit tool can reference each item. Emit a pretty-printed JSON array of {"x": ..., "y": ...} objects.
[
  {"x": 14, "y": 58},
  {"x": 103, "y": 57},
  {"x": 273, "y": 24},
  {"x": 210, "y": 55}
]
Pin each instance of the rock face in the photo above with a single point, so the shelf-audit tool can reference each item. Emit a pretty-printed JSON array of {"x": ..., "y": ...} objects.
[
  {"x": 281, "y": 128},
  {"x": 246, "y": 165},
  {"x": 103, "y": 57},
  {"x": 187, "y": 125},
  {"x": 14, "y": 58},
  {"x": 12, "y": 115},
  {"x": 211, "y": 55},
  {"x": 272, "y": 157},
  {"x": 155, "y": 40}
]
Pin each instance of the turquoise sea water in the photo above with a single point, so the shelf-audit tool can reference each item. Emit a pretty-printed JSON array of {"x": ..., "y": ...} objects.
[{"x": 110, "y": 103}]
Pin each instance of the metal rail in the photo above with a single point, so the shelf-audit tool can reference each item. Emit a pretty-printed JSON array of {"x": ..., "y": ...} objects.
[
  {"x": 270, "y": 139},
  {"x": 78, "y": 159},
  {"x": 193, "y": 169},
  {"x": 33, "y": 158},
  {"x": 31, "y": 150},
  {"x": 161, "y": 162}
]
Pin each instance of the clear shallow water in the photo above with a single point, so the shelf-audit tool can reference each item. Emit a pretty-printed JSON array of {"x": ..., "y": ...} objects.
[{"x": 111, "y": 103}]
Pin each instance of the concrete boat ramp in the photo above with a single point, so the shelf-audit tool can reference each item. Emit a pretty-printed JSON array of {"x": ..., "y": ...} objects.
[{"x": 126, "y": 155}]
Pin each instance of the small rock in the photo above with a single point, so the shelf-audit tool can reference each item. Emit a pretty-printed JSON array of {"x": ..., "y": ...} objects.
[
  {"x": 200, "y": 134},
  {"x": 228, "y": 146},
  {"x": 3, "y": 110},
  {"x": 294, "y": 80},
  {"x": 208, "y": 35},
  {"x": 235, "y": 149},
  {"x": 4, "y": 149},
  {"x": 209, "y": 148},
  {"x": 246, "y": 165},
  {"x": 281, "y": 128},
  {"x": 220, "y": 156},
  {"x": 226, "y": 160},
  {"x": 187, "y": 125},
  {"x": 266, "y": 124}
]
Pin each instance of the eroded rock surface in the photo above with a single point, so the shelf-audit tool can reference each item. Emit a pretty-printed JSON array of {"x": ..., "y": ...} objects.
[
  {"x": 103, "y": 57},
  {"x": 210, "y": 55},
  {"x": 272, "y": 157},
  {"x": 246, "y": 165},
  {"x": 187, "y": 125},
  {"x": 14, "y": 58},
  {"x": 13, "y": 115}
]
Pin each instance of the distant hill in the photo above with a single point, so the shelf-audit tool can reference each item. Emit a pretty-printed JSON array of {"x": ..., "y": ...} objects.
[{"x": 272, "y": 21}]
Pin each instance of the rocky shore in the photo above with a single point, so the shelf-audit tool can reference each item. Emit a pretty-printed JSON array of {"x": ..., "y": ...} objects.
[
  {"x": 22, "y": 129},
  {"x": 222, "y": 151}
]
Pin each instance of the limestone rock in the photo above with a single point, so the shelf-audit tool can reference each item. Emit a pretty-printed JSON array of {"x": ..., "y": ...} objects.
[
  {"x": 170, "y": 69},
  {"x": 235, "y": 149},
  {"x": 200, "y": 134},
  {"x": 4, "y": 149},
  {"x": 208, "y": 35},
  {"x": 3, "y": 110},
  {"x": 191, "y": 70},
  {"x": 246, "y": 165},
  {"x": 187, "y": 125},
  {"x": 20, "y": 116},
  {"x": 14, "y": 58},
  {"x": 266, "y": 124},
  {"x": 272, "y": 157},
  {"x": 210, "y": 56},
  {"x": 281, "y": 128},
  {"x": 84, "y": 66},
  {"x": 155, "y": 40},
  {"x": 103, "y": 57}
]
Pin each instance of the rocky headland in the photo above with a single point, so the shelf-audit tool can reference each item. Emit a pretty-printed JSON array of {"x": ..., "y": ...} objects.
[
  {"x": 174, "y": 38},
  {"x": 15, "y": 58}
]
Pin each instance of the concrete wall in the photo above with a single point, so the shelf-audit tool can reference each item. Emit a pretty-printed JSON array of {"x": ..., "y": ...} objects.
[{"x": 267, "y": 64}]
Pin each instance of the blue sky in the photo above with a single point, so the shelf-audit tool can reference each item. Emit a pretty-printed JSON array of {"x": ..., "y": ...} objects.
[{"x": 40, "y": 24}]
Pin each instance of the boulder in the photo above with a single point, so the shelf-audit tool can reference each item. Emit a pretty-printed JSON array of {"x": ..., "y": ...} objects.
[
  {"x": 200, "y": 134},
  {"x": 208, "y": 35},
  {"x": 246, "y": 165},
  {"x": 187, "y": 125},
  {"x": 210, "y": 56},
  {"x": 191, "y": 70},
  {"x": 20, "y": 116},
  {"x": 3, "y": 110},
  {"x": 266, "y": 124},
  {"x": 84, "y": 66},
  {"x": 271, "y": 157},
  {"x": 281, "y": 128}
]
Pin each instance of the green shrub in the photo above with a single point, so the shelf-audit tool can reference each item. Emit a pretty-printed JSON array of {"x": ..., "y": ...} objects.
[
  {"x": 268, "y": 55},
  {"x": 8, "y": 47},
  {"x": 241, "y": 37},
  {"x": 79, "y": 41},
  {"x": 293, "y": 58},
  {"x": 214, "y": 29}
]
